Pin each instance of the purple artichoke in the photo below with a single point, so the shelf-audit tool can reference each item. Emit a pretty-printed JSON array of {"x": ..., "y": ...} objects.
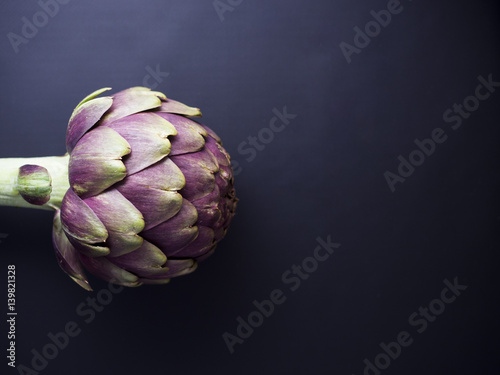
[{"x": 150, "y": 191}]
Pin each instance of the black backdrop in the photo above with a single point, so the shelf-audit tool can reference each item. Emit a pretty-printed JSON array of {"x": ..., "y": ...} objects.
[{"x": 416, "y": 264}]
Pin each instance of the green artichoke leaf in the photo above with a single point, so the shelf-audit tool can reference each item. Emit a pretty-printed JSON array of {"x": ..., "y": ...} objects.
[
  {"x": 92, "y": 96},
  {"x": 148, "y": 136},
  {"x": 96, "y": 162},
  {"x": 103, "y": 268},
  {"x": 146, "y": 258},
  {"x": 172, "y": 106},
  {"x": 154, "y": 191},
  {"x": 84, "y": 118},
  {"x": 122, "y": 220},
  {"x": 130, "y": 101},
  {"x": 82, "y": 226},
  {"x": 67, "y": 255}
]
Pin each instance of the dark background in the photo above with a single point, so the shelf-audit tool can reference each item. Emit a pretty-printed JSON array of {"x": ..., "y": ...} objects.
[{"x": 321, "y": 176}]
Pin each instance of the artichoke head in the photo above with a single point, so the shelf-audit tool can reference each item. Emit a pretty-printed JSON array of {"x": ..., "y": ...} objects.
[{"x": 151, "y": 190}]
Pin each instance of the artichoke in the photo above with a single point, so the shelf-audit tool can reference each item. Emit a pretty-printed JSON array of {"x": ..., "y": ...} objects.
[{"x": 143, "y": 194}]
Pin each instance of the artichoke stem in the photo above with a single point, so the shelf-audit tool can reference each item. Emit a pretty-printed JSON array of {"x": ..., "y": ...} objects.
[{"x": 57, "y": 167}]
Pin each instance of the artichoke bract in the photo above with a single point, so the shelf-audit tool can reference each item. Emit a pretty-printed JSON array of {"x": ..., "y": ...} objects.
[{"x": 150, "y": 194}]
